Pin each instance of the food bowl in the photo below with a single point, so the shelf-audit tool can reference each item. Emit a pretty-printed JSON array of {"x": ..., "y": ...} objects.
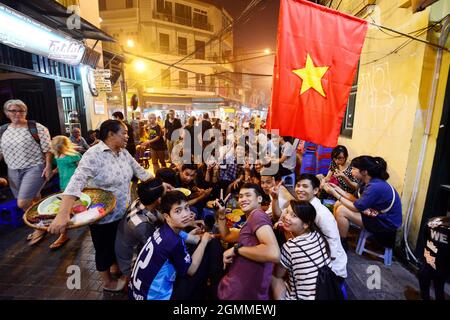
[
  {"x": 186, "y": 192},
  {"x": 50, "y": 206}
]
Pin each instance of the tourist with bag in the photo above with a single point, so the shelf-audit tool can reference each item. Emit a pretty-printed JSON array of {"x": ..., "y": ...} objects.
[{"x": 25, "y": 147}]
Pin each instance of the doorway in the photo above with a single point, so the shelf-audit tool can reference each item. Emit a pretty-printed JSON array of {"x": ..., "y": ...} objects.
[
  {"x": 39, "y": 94},
  {"x": 438, "y": 196}
]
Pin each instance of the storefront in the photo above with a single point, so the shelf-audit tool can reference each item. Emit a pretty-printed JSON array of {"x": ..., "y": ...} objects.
[{"x": 42, "y": 66}]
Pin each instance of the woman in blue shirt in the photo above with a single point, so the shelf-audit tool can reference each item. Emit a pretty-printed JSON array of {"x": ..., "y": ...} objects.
[{"x": 378, "y": 208}]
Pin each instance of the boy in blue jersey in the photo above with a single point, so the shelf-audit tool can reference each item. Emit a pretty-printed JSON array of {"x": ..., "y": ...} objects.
[{"x": 165, "y": 255}]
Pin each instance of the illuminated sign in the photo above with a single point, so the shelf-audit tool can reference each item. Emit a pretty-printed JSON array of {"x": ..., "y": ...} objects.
[{"x": 25, "y": 33}]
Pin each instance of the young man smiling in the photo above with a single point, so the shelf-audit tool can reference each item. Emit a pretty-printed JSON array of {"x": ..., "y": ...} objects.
[
  {"x": 255, "y": 250},
  {"x": 307, "y": 189},
  {"x": 165, "y": 255}
]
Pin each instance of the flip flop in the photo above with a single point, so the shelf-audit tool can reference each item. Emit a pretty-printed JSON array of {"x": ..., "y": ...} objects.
[
  {"x": 30, "y": 236},
  {"x": 36, "y": 239},
  {"x": 119, "y": 286},
  {"x": 58, "y": 243}
]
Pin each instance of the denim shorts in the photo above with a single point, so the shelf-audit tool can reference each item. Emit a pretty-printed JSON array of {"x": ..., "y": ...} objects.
[{"x": 26, "y": 183}]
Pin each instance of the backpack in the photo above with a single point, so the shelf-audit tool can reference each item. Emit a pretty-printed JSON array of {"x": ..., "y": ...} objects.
[
  {"x": 31, "y": 127},
  {"x": 327, "y": 284}
]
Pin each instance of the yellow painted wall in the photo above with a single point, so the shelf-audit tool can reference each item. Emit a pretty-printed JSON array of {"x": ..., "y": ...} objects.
[
  {"x": 393, "y": 97},
  {"x": 420, "y": 123},
  {"x": 388, "y": 86}
]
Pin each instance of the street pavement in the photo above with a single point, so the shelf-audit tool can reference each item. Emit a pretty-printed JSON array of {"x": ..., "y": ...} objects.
[{"x": 38, "y": 273}]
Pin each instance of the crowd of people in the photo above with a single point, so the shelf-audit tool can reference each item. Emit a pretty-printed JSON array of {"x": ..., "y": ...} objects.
[{"x": 224, "y": 214}]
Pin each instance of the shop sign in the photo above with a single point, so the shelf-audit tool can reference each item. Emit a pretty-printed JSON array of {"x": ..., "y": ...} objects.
[
  {"x": 207, "y": 100},
  {"x": 22, "y": 32},
  {"x": 102, "y": 81},
  {"x": 99, "y": 107},
  {"x": 102, "y": 73},
  {"x": 90, "y": 79}
]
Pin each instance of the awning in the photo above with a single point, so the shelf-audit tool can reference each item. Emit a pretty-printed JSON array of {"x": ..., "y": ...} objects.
[{"x": 55, "y": 15}]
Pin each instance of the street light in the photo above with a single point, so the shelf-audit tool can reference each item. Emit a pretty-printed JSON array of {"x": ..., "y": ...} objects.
[
  {"x": 266, "y": 51},
  {"x": 130, "y": 43},
  {"x": 140, "y": 66}
]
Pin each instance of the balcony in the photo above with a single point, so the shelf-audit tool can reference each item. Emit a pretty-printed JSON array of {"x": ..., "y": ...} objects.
[
  {"x": 168, "y": 17},
  {"x": 130, "y": 13}
]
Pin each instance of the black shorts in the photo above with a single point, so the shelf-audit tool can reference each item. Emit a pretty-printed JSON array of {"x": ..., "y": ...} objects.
[
  {"x": 104, "y": 239},
  {"x": 372, "y": 224},
  {"x": 383, "y": 234}
]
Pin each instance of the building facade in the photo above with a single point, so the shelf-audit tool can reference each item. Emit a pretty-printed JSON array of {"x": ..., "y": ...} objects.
[
  {"x": 36, "y": 68},
  {"x": 399, "y": 105},
  {"x": 152, "y": 36}
]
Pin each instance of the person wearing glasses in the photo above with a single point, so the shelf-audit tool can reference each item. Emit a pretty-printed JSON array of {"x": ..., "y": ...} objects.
[
  {"x": 25, "y": 147},
  {"x": 340, "y": 171}
]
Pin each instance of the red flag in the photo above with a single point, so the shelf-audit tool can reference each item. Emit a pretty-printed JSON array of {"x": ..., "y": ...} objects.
[{"x": 317, "y": 56}]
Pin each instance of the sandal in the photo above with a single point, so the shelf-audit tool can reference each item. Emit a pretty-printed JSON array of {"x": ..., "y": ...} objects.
[
  {"x": 62, "y": 240},
  {"x": 30, "y": 236},
  {"x": 35, "y": 239},
  {"x": 119, "y": 286}
]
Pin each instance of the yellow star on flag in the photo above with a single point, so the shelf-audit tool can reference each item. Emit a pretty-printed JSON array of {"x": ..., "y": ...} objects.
[{"x": 311, "y": 76}]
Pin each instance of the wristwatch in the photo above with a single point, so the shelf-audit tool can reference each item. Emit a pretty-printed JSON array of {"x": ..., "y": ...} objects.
[{"x": 236, "y": 248}]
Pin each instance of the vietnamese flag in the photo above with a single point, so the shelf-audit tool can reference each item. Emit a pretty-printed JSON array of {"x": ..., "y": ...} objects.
[{"x": 317, "y": 56}]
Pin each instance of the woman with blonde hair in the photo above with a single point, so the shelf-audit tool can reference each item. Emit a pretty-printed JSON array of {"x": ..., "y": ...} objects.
[{"x": 66, "y": 159}]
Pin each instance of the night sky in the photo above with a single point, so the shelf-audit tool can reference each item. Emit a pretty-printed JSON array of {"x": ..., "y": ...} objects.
[{"x": 259, "y": 31}]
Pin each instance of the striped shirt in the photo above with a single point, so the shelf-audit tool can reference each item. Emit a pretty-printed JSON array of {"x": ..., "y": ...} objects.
[{"x": 303, "y": 287}]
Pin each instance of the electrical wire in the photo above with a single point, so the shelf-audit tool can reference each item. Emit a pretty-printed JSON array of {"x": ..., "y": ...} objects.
[
  {"x": 220, "y": 63},
  {"x": 245, "y": 14},
  {"x": 404, "y": 44}
]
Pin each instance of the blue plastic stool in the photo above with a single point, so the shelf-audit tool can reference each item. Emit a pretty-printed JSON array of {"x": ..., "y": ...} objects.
[
  {"x": 360, "y": 248},
  {"x": 11, "y": 214},
  {"x": 289, "y": 180}
]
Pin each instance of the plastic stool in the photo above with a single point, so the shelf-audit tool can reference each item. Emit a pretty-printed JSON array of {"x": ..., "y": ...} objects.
[
  {"x": 360, "y": 248},
  {"x": 289, "y": 180},
  {"x": 11, "y": 214}
]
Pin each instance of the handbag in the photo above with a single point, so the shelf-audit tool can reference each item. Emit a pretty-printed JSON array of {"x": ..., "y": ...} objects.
[
  {"x": 327, "y": 283},
  {"x": 373, "y": 213}
]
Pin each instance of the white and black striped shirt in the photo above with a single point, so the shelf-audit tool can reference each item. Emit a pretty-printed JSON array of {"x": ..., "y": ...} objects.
[{"x": 303, "y": 287}]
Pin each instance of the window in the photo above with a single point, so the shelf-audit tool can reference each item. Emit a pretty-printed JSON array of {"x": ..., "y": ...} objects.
[
  {"x": 165, "y": 78},
  {"x": 183, "y": 79},
  {"x": 182, "y": 46},
  {"x": 199, "y": 49},
  {"x": 349, "y": 117},
  {"x": 164, "y": 45},
  {"x": 225, "y": 21},
  {"x": 200, "y": 82},
  {"x": 183, "y": 14},
  {"x": 102, "y": 5},
  {"x": 212, "y": 84},
  {"x": 200, "y": 19},
  {"x": 129, "y": 4},
  {"x": 227, "y": 55},
  {"x": 164, "y": 7},
  {"x": 160, "y": 6}
]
